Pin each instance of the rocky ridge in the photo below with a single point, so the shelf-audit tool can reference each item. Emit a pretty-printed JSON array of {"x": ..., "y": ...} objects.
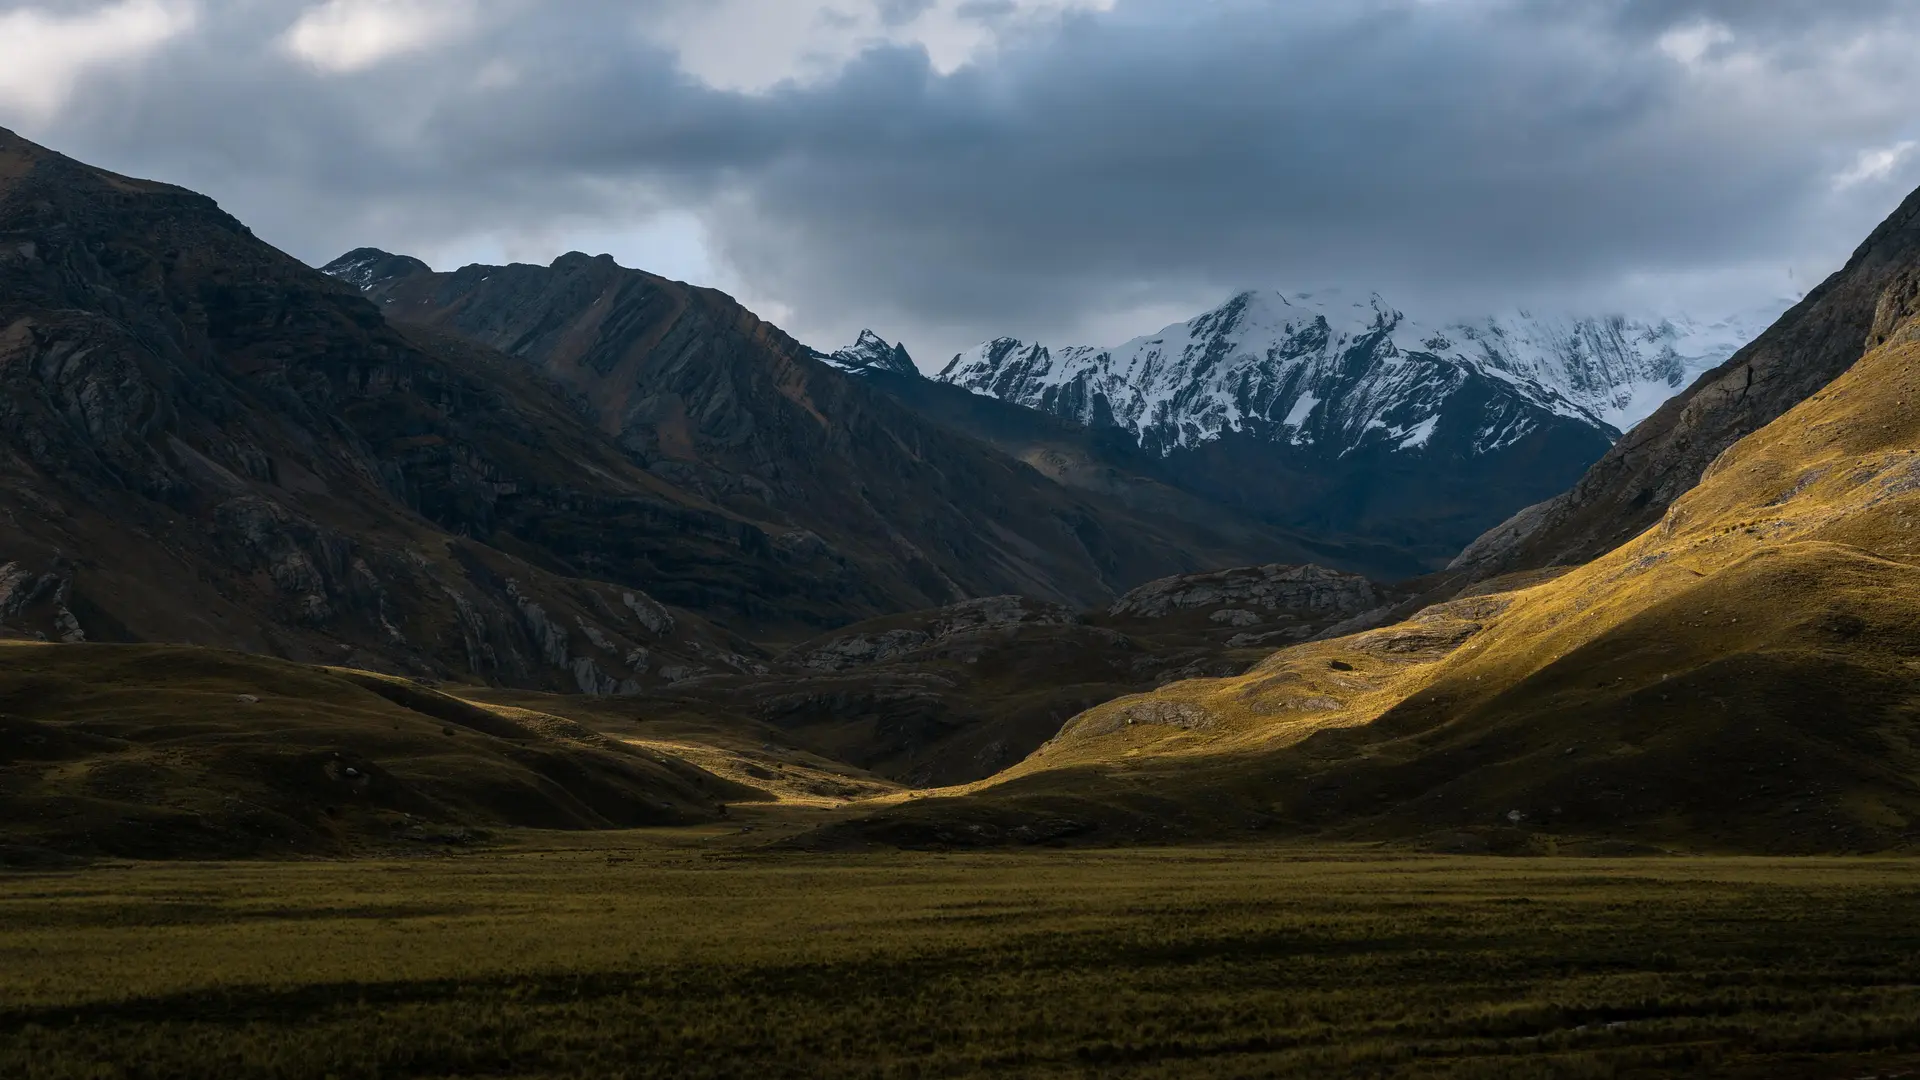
[{"x": 203, "y": 441}]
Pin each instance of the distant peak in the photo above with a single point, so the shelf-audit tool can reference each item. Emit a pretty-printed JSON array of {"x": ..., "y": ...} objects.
[
  {"x": 366, "y": 267},
  {"x": 871, "y": 352},
  {"x": 581, "y": 258}
]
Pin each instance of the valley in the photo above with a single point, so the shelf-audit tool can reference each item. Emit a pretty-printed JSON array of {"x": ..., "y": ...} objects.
[{"x": 562, "y": 670}]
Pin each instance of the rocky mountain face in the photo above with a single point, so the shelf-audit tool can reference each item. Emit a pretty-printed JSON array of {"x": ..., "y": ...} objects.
[
  {"x": 202, "y": 440},
  {"x": 1850, "y": 314},
  {"x": 866, "y": 506},
  {"x": 1345, "y": 417}
]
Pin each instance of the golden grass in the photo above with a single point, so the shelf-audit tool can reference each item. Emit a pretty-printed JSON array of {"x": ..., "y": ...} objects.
[
  {"x": 1828, "y": 493},
  {"x": 671, "y": 954},
  {"x": 786, "y": 779}
]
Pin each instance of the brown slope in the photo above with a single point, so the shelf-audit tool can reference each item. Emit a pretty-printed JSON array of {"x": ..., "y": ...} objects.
[
  {"x": 1660, "y": 459},
  {"x": 704, "y": 393},
  {"x": 205, "y": 441}
]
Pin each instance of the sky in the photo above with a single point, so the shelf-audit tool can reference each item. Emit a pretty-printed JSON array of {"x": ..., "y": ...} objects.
[{"x": 947, "y": 171}]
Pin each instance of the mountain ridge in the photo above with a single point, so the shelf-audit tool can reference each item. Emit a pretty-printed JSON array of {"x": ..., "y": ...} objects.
[
  {"x": 703, "y": 394},
  {"x": 1277, "y": 359}
]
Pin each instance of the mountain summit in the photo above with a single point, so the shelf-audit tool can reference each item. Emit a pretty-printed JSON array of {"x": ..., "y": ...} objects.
[{"x": 869, "y": 353}]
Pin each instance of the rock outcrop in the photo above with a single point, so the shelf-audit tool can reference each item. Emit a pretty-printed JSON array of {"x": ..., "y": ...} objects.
[
  {"x": 942, "y": 627},
  {"x": 1240, "y": 596}
]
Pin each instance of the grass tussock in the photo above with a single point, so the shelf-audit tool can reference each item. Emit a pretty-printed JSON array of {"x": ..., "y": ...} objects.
[{"x": 1217, "y": 963}]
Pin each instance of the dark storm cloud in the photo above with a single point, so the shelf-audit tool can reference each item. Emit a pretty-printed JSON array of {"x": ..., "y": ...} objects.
[{"x": 1465, "y": 149}]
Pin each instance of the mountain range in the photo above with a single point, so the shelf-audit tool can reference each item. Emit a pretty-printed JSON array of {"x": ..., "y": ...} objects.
[
  {"x": 579, "y": 546},
  {"x": 572, "y": 477},
  {"x": 1342, "y": 415}
]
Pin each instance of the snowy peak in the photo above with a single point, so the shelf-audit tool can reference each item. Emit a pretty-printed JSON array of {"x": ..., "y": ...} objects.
[
  {"x": 1340, "y": 372},
  {"x": 869, "y": 353}
]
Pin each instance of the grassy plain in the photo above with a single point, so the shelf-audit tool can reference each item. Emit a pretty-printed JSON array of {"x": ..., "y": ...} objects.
[{"x": 684, "y": 953}]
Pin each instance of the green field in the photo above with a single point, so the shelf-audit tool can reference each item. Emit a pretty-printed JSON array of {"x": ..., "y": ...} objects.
[{"x": 684, "y": 954}]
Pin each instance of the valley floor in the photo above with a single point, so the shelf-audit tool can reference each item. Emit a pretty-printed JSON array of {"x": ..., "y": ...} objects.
[{"x": 702, "y": 952}]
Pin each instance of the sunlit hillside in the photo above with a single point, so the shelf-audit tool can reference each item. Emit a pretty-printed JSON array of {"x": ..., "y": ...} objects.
[{"x": 1739, "y": 676}]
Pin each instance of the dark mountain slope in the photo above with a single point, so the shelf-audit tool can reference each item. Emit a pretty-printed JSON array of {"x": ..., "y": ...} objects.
[
  {"x": 705, "y": 395},
  {"x": 1629, "y": 488},
  {"x": 205, "y": 441}
]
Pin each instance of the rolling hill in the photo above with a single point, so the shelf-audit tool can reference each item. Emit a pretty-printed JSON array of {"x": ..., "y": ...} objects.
[{"x": 159, "y": 751}]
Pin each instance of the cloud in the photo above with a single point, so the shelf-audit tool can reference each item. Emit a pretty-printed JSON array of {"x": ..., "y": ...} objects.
[
  {"x": 1692, "y": 43},
  {"x": 1874, "y": 165},
  {"x": 43, "y": 52},
  {"x": 351, "y": 35},
  {"x": 946, "y": 170},
  {"x": 755, "y": 45}
]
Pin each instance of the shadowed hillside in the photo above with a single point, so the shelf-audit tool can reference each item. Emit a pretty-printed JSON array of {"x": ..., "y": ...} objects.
[
  {"x": 202, "y": 440},
  {"x": 165, "y": 752}
]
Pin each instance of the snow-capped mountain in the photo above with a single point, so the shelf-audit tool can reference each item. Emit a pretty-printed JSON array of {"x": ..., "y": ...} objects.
[
  {"x": 1333, "y": 373},
  {"x": 869, "y": 353}
]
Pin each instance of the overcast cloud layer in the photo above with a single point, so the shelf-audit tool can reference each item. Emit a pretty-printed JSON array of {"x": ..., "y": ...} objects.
[{"x": 950, "y": 170}]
